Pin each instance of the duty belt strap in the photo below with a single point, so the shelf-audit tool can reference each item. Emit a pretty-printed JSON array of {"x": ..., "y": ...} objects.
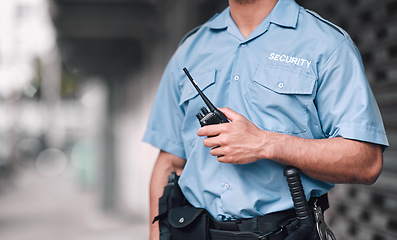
[
  {"x": 279, "y": 233},
  {"x": 262, "y": 224},
  {"x": 271, "y": 226}
]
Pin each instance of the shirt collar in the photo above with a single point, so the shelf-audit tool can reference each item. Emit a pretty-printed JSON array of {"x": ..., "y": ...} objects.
[{"x": 285, "y": 13}]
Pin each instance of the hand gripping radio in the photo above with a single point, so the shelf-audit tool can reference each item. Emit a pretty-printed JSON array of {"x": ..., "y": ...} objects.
[{"x": 214, "y": 115}]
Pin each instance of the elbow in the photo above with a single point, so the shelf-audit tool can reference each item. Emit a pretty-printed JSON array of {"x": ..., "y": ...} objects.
[{"x": 373, "y": 170}]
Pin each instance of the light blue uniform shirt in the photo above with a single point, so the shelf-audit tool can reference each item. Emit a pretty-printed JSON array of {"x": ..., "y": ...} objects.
[{"x": 295, "y": 74}]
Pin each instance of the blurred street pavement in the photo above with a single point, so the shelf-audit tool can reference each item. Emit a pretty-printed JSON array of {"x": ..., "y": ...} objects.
[{"x": 35, "y": 207}]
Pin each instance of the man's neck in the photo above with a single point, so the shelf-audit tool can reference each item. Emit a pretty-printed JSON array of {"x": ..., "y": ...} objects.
[{"x": 248, "y": 14}]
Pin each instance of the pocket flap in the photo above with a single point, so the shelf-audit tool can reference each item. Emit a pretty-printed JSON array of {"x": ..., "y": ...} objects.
[
  {"x": 286, "y": 81},
  {"x": 182, "y": 216},
  {"x": 203, "y": 80}
]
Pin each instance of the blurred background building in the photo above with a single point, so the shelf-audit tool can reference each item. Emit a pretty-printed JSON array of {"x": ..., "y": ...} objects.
[{"x": 77, "y": 78}]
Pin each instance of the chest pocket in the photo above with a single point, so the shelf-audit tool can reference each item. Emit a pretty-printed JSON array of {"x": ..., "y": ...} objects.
[
  {"x": 280, "y": 98},
  {"x": 203, "y": 80}
]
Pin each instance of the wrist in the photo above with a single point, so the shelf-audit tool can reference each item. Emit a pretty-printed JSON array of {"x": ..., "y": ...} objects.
[{"x": 271, "y": 145}]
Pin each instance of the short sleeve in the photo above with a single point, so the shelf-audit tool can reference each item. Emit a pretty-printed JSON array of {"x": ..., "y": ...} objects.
[
  {"x": 346, "y": 105},
  {"x": 164, "y": 126}
]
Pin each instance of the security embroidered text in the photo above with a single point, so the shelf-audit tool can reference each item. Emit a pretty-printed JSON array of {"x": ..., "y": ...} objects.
[{"x": 290, "y": 59}]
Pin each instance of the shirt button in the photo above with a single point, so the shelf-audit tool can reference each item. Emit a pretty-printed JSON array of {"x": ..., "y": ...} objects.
[
  {"x": 280, "y": 85},
  {"x": 237, "y": 77},
  {"x": 227, "y": 186},
  {"x": 243, "y": 45}
]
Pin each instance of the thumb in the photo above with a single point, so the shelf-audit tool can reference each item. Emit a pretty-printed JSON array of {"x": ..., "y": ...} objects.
[{"x": 230, "y": 114}]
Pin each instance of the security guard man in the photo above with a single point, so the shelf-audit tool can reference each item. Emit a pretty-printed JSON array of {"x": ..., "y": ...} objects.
[{"x": 294, "y": 89}]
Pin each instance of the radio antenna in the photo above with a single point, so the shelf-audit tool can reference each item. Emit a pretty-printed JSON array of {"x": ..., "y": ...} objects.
[{"x": 206, "y": 100}]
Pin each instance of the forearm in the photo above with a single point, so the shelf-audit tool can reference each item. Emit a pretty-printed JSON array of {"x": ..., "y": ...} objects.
[
  {"x": 335, "y": 160},
  {"x": 166, "y": 163},
  {"x": 157, "y": 183}
]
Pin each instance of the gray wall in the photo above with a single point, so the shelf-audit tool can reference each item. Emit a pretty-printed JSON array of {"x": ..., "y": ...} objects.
[{"x": 369, "y": 212}]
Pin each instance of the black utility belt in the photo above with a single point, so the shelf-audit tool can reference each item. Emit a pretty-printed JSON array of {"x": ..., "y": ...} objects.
[
  {"x": 190, "y": 223},
  {"x": 279, "y": 233},
  {"x": 272, "y": 226},
  {"x": 179, "y": 220},
  {"x": 263, "y": 224}
]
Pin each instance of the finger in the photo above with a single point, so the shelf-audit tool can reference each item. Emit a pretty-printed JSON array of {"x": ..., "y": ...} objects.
[
  {"x": 217, "y": 151},
  {"x": 211, "y": 142},
  {"x": 230, "y": 114},
  {"x": 221, "y": 158},
  {"x": 209, "y": 130}
]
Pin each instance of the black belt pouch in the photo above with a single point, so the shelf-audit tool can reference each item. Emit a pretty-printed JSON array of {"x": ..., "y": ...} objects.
[{"x": 189, "y": 223}]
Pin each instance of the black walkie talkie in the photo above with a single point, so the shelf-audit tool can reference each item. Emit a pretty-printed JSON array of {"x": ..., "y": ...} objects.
[{"x": 213, "y": 116}]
